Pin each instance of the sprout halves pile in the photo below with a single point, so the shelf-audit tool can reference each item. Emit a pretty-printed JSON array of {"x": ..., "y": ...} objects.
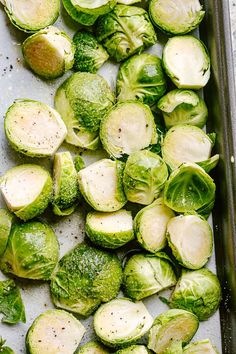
[{"x": 151, "y": 191}]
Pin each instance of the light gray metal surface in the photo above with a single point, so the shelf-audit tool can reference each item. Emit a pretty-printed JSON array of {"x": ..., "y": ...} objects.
[{"x": 17, "y": 81}]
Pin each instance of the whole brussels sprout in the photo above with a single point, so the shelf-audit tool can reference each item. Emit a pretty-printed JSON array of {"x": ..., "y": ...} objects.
[
  {"x": 32, "y": 251},
  {"x": 202, "y": 346},
  {"x": 141, "y": 78},
  {"x": 125, "y": 31},
  {"x": 197, "y": 291}
]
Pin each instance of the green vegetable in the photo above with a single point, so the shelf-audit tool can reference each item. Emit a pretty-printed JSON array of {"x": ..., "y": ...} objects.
[
  {"x": 23, "y": 201},
  {"x": 202, "y": 347},
  {"x": 5, "y": 229},
  {"x": 183, "y": 107},
  {"x": 92, "y": 348},
  {"x": 172, "y": 325},
  {"x": 54, "y": 332},
  {"x": 145, "y": 175},
  {"x": 79, "y": 163},
  {"x": 11, "y": 304},
  {"x": 85, "y": 278},
  {"x": 197, "y": 291},
  {"x": 79, "y": 16},
  {"x": 175, "y": 348},
  {"x": 121, "y": 322},
  {"x": 209, "y": 164},
  {"x": 4, "y": 349},
  {"x": 147, "y": 274},
  {"x": 125, "y": 31},
  {"x": 32, "y": 251},
  {"x": 141, "y": 78},
  {"x": 95, "y": 8},
  {"x": 127, "y": 128},
  {"x": 89, "y": 54},
  {"x": 134, "y": 349}
]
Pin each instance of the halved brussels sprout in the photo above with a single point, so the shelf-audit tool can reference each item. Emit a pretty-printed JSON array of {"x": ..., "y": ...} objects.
[
  {"x": 54, "y": 331},
  {"x": 175, "y": 348},
  {"x": 4, "y": 349},
  {"x": 202, "y": 347},
  {"x": 49, "y": 52},
  {"x": 32, "y": 251},
  {"x": 94, "y": 7},
  {"x": 183, "y": 107},
  {"x": 178, "y": 17},
  {"x": 141, "y": 78},
  {"x": 85, "y": 278},
  {"x": 125, "y": 31},
  {"x": 121, "y": 322},
  {"x": 5, "y": 228},
  {"x": 147, "y": 274},
  {"x": 145, "y": 175},
  {"x": 89, "y": 54},
  {"x": 66, "y": 189},
  {"x": 197, "y": 291},
  {"x": 186, "y": 143},
  {"x": 110, "y": 230},
  {"x": 33, "y": 128},
  {"x": 101, "y": 185},
  {"x": 150, "y": 225},
  {"x": 128, "y": 2},
  {"x": 27, "y": 190},
  {"x": 190, "y": 188},
  {"x": 92, "y": 348},
  {"x": 134, "y": 349},
  {"x": 31, "y": 16},
  {"x": 170, "y": 326},
  {"x": 79, "y": 16},
  {"x": 127, "y": 128},
  {"x": 186, "y": 62},
  {"x": 191, "y": 240}
]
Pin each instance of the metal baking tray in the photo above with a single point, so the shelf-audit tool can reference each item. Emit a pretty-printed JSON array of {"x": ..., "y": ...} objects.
[{"x": 16, "y": 81}]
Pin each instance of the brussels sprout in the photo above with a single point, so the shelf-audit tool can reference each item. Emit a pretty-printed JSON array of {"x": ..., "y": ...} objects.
[
  {"x": 66, "y": 189},
  {"x": 92, "y": 348},
  {"x": 145, "y": 175},
  {"x": 141, "y": 78},
  {"x": 5, "y": 229},
  {"x": 209, "y": 164},
  {"x": 172, "y": 325},
  {"x": 186, "y": 61},
  {"x": 185, "y": 143},
  {"x": 191, "y": 240},
  {"x": 202, "y": 347},
  {"x": 54, "y": 331},
  {"x": 183, "y": 107},
  {"x": 174, "y": 348},
  {"x": 49, "y": 52},
  {"x": 4, "y": 349},
  {"x": 127, "y": 128},
  {"x": 197, "y": 291},
  {"x": 79, "y": 163},
  {"x": 95, "y": 8},
  {"x": 150, "y": 225},
  {"x": 79, "y": 16},
  {"x": 134, "y": 349},
  {"x": 85, "y": 278},
  {"x": 110, "y": 230},
  {"x": 31, "y": 16},
  {"x": 121, "y": 322},
  {"x": 190, "y": 188},
  {"x": 89, "y": 54},
  {"x": 147, "y": 274},
  {"x": 125, "y": 31},
  {"x": 27, "y": 190},
  {"x": 33, "y": 128},
  {"x": 101, "y": 185},
  {"x": 32, "y": 251},
  {"x": 179, "y": 17}
]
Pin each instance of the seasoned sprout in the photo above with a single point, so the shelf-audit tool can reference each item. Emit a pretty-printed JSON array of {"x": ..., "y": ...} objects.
[
  {"x": 79, "y": 16},
  {"x": 54, "y": 331},
  {"x": 147, "y": 274},
  {"x": 150, "y": 225},
  {"x": 186, "y": 62},
  {"x": 130, "y": 320},
  {"x": 49, "y": 52},
  {"x": 92, "y": 348},
  {"x": 191, "y": 240},
  {"x": 183, "y": 107},
  {"x": 31, "y": 16},
  {"x": 197, "y": 291},
  {"x": 94, "y": 8},
  {"x": 127, "y": 128},
  {"x": 179, "y": 17},
  {"x": 89, "y": 54},
  {"x": 202, "y": 347},
  {"x": 170, "y": 326},
  {"x": 125, "y": 31},
  {"x": 32, "y": 251},
  {"x": 186, "y": 143},
  {"x": 5, "y": 229},
  {"x": 101, "y": 185},
  {"x": 34, "y": 129},
  {"x": 145, "y": 175},
  {"x": 85, "y": 278},
  {"x": 110, "y": 230},
  {"x": 134, "y": 349},
  {"x": 141, "y": 78},
  {"x": 4, "y": 349},
  {"x": 27, "y": 190},
  {"x": 190, "y": 188}
]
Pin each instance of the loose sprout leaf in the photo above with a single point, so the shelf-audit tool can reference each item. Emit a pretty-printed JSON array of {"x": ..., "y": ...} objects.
[
  {"x": 4, "y": 349},
  {"x": 209, "y": 164},
  {"x": 201, "y": 347}
]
